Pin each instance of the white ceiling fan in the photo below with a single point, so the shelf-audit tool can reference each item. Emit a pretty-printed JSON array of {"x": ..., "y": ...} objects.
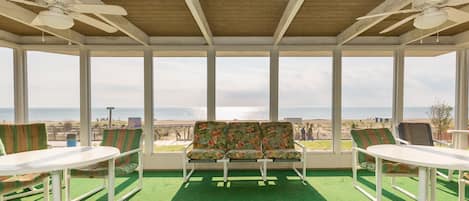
[
  {"x": 428, "y": 14},
  {"x": 61, "y": 13}
]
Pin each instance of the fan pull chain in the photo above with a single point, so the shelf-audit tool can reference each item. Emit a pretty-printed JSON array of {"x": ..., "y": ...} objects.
[
  {"x": 69, "y": 35},
  {"x": 43, "y": 39},
  {"x": 437, "y": 37},
  {"x": 421, "y": 41}
]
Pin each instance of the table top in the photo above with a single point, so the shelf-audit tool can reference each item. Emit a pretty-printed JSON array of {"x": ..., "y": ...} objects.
[
  {"x": 48, "y": 160},
  {"x": 425, "y": 156}
]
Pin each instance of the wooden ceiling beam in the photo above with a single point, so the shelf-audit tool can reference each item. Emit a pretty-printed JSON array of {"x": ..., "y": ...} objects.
[
  {"x": 122, "y": 24},
  {"x": 199, "y": 17},
  {"x": 361, "y": 26},
  {"x": 289, "y": 14},
  {"x": 25, "y": 16},
  {"x": 418, "y": 34}
]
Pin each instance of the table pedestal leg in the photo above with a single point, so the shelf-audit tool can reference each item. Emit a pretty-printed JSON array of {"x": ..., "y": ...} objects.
[
  {"x": 379, "y": 177},
  {"x": 422, "y": 184},
  {"x": 432, "y": 179},
  {"x": 56, "y": 187}
]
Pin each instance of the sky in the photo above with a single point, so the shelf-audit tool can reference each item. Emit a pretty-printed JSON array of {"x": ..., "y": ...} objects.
[{"x": 240, "y": 81}]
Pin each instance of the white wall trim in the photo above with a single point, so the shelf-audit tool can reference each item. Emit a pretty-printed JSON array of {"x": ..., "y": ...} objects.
[
  {"x": 211, "y": 84},
  {"x": 398, "y": 89},
  {"x": 461, "y": 104}
]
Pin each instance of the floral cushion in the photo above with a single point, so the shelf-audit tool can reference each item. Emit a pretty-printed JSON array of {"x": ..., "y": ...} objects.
[
  {"x": 206, "y": 154},
  {"x": 243, "y": 135},
  {"x": 101, "y": 170},
  {"x": 245, "y": 154},
  {"x": 391, "y": 167},
  {"x": 282, "y": 154},
  {"x": 277, "y": 135},
  {"x": 209, "y": 135},
  {"x": 11, "y": 183}
]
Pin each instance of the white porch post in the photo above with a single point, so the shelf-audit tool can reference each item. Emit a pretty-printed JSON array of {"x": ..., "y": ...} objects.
[
  {"x": 337, "y": 100},
  {"x": 211, "y": 84},
  {"x": 85, "y": 97},
  {"x": 274, "y": 73},
  {"x": 398, "y": 89},
  {"x": 460, "y": 110},
  {"x": 20, "y": 85},
  {"x": 148, "y": 103}
]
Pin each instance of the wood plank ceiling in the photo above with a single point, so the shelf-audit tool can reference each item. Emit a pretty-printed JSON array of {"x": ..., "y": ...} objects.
[{"x": 239, "y": 18}]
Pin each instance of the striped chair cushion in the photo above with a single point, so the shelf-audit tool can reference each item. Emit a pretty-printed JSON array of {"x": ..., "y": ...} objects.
[
  {"x": 209, "y": 135},
  {"x": 123, "y": 139},
  {"x": 364, "y": 138},
  {"x": 12, "y": 183},
  {"x": 23, "y": 137},
  {"x": 277, "y": 135}
]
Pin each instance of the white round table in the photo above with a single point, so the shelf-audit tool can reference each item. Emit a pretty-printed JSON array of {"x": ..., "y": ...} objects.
[
  {"x": 426, "y": 158},
  {"x": 55, "y": 161}
]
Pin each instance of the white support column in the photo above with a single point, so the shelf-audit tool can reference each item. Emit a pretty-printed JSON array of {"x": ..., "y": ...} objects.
[
  {"x": 148, "y": 104},
  {"x": 85, "y": 97},
  {"x": 21, "y": 85},
  {"x": 461, "y": 104},
  {"x": 211, "y": 84},
  {"x": 274, "y": 68},
  {"x": 398, "y": 89},
  {"x": 337, "y": 100}
]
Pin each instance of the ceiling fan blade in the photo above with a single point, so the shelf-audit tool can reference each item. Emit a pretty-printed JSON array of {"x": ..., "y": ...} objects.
[
  {"x": 37, "y": 21},
  {"x": 98, "y": 9},
  {"x": 403, "y": 21},
  {"x": 388, "y": 13},
  {"x": 456, "y": 2},
  {"x": 456, "y": 15},
  {"x": 94, "y": 22},
  {"x": 31, "y": 3}
]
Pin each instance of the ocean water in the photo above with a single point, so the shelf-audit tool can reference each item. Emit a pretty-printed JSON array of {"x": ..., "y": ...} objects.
[{"x": 223, "y": 113}]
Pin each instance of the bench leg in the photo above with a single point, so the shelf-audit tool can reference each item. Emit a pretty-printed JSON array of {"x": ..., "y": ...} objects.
[{"x": 225, "y": 171}]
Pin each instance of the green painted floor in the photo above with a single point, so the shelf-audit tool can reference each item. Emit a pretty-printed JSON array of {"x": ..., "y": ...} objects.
[{"x": 246, "y": 185}]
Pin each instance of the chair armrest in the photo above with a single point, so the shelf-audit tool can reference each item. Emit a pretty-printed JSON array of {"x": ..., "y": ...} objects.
[
  {"x": 403, "y": 141},
  {"x": 458, "y": 131},
  {"x": 301, "y": 146},
  {"x": 187, "y": 146},
  {"x": 443, "y": 143},
  {"x": 361, "y": 150},
  {"x": 129, "y": 152}
]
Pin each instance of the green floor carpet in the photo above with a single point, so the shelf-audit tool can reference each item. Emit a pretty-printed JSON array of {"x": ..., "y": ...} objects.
[{"x": 246, "y": 185}]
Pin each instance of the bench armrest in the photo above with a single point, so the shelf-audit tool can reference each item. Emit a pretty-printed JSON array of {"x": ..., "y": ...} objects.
[
  {"x": 301, "y": 146},
  {"x": 187, "y": 147}
]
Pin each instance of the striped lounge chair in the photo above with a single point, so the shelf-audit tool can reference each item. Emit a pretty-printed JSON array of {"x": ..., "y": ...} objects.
[
  {"x": 128, "y": 141},
  {"x": 208, "y": 146},
  {"x": 364, "y": 138},
  {"x": 16, "y": 138},
  {"x": 278, "y": 146}
]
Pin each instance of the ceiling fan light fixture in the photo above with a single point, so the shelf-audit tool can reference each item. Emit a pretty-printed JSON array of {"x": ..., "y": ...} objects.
[
  {"x": 57, "y": 20},
  {"x": 431, "y": 19}
]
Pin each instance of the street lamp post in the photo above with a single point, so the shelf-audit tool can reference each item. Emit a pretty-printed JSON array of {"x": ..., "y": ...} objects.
[{"x": 110, "y": 115}]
